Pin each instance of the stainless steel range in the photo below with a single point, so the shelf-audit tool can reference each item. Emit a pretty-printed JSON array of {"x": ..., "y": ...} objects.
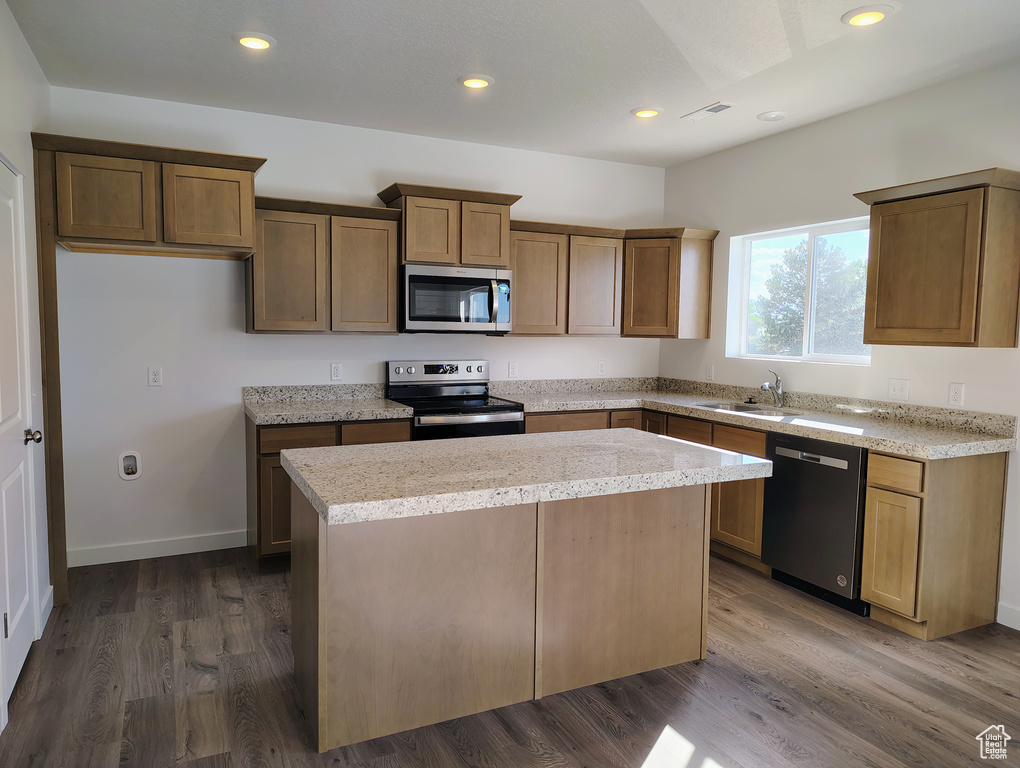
[{"x": 451, "y": 398}]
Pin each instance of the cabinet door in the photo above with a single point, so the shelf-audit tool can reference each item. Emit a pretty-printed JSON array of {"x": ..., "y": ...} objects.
[
  {"x": 737, "y": 506},
  {"x": 619, "y": 419},
  {"x": 485, "y": 234},
  {"x": 651, "y": 287},
  {"x": 654, "y": 422},
  {"x": 892, "y": 536},
  {"x": 290, "y": 272},
  {"x": 274, "y": 507},
  {"x": 596, "y": 286},
  {"x": 431, "y": 230},
  {"x": 364, "y": 271},
  {"x": 539, "y": 301},
  {"x": 691, "y": 430},
  {"x": 106, "y": 197},
  {"x": 923, "y": 270},
  {"x": 208, "y": 206}
]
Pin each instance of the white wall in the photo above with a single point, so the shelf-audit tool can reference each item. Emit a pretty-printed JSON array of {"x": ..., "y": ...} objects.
[
  {"x": 809, "y": 175},
  {"x": 120, "y": 314},
  {"x": 24, "y": 107}
]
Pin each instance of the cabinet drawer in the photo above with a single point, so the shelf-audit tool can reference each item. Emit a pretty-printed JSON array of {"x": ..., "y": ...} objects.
[
  {"x": 275, "y": 439},
  {"x": 903, "y": 474},
  {"x": 565, "y": 422},
  {"x": 375, "y": 432},
  {"x": 689, "y": 429},
  {"x": 746, "y": 441}
]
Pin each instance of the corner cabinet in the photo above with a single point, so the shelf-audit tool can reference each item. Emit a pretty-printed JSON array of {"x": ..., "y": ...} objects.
[
  {"x": 320, "y": 267},
  {"x": 943, "y": 267},
  {"x": 127, "y": 198},
  {"x": 932, "y": 542},
  {"x": 452, "y": 226},
  {"x": 668, "y": 283}
]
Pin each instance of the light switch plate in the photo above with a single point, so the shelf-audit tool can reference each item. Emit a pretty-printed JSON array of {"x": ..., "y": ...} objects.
[
  {"x": 899, "y": 389},
  {"x": 710, "y": 372}
]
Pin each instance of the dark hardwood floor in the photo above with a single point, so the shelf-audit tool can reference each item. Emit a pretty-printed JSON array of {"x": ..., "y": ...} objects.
[{"x": 186, "y": 661}]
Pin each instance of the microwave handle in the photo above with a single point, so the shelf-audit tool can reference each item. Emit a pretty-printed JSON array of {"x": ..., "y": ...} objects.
[{"x": 494, "y": 302}]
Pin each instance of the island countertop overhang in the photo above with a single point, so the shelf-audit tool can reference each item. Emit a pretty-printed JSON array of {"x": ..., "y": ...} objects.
[{"x": 349, "y": 484}]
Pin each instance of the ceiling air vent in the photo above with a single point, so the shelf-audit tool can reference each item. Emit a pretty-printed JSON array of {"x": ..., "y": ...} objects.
[{"x": 711, "y": 109}]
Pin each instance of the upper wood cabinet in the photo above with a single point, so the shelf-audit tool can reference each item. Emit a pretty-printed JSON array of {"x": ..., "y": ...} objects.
[
  {"x": 208, "y": 206},
  {"x": 452, "y": 226},
  {"x": 431, "y": 230},
  {"x": 668, "y": 283},
  {"x": 106, "y": 197},
  {"x": 130, "y": 198},
  {"x": 595, "y": 286},
  {"x": 317, "y": 267},
  {"x": 289, "y": 272},
  {"x": 364, "y": 271},
  {"x": 943, "y": 267},
  {"x": 538, "y": 261}
]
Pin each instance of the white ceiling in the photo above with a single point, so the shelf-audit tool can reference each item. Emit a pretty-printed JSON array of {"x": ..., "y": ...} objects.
[{"x": 567, "y": 72}]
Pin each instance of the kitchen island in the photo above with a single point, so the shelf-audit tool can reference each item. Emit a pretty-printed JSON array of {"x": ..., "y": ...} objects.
[{"x": 438, "y": 579}]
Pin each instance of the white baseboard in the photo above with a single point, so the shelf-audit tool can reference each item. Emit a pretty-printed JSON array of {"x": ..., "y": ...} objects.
[
  {"x": 45, "y": 608},
  {"x": 1008, "y": 615},
  {"x": 142, "y": 550}
]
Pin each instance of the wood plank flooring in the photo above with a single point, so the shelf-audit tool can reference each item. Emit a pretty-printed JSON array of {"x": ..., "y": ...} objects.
[{"x": 186, "y": 661}]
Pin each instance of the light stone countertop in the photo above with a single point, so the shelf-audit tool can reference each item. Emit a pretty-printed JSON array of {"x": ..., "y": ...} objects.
[
  {"x": 358, "y": 483},
  {"x": 849, "y": 428},
  {"x": 311, "y": 411}
]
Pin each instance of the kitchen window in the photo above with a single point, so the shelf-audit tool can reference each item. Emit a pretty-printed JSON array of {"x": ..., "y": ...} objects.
[{"x": 802, "y": 293}]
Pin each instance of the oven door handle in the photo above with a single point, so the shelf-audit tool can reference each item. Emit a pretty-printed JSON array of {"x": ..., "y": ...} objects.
[
  {"x": 494, "y": 302},
  {"x": 468, "y": 418}
]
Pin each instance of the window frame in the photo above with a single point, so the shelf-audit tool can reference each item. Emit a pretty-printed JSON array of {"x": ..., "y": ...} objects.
[{"x": 858, "y": 223}]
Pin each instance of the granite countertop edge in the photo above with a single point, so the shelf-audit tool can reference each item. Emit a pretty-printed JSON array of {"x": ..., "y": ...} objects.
[{"x": 483, "y": 498}]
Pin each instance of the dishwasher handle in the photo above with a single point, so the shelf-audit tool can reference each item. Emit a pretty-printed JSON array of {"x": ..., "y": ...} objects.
[{"x": 814, "y": 458}]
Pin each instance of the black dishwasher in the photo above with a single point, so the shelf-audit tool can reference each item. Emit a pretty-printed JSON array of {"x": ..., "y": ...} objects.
[{"x": 813, "y": 517}]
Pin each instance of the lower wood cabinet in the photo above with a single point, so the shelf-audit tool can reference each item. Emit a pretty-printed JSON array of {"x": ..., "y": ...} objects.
[
  {"x": 269, "y": 499},
  {"x": 932, "y": 542},
  {"x": 565, "y": 422},
  {"x": 654, "y": 422},
  {"x": 737, "y": 507},
  {"x": 631, "y": 419}
]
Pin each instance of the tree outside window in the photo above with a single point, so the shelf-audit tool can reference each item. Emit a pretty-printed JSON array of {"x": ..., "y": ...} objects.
[{"x": 804, "y": 293}]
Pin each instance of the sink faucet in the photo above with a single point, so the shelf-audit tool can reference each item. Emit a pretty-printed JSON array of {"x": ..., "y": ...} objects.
[{"x": 777, "y": 390}]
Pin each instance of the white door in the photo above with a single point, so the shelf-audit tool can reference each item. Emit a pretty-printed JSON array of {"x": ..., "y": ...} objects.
[{"x": 16, "y": 514}]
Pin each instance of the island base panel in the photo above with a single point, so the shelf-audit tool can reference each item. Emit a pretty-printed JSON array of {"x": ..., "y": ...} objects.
[
  {"x": 622, "y": 585},
  {"x": 423, "y": 619}
]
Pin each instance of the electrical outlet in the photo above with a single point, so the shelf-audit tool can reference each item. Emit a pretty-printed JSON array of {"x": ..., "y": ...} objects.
[
  {"x": 336, "y": 372},
  {"x": 899, "y": 389},
  {"x": 512, "y": 370},
  {"x": 155, "y": 376},
  {"x": 600, "y": 368},
  {"x": 710, "y": 372},
  {"x": 956, "y": 394}
]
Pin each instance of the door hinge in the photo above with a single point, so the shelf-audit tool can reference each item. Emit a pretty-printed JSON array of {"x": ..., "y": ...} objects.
[{"x": 5, "y": 627}]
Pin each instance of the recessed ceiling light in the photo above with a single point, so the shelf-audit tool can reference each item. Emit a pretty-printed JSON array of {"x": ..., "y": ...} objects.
[
  {"x": 255, "y": 41},
  {"x": 645, "y": 112},
  {"x": 476, "y": 81},
  {"x": 866, "y": 15},
  {"x": 772, "y": 117}
]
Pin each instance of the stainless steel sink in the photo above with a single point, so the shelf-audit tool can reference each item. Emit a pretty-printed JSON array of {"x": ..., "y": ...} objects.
[
  {"x": 751, "y": 409},
  {"x": 739, "y": 407}
]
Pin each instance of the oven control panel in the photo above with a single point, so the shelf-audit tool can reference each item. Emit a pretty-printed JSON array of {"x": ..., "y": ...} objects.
[{"x": 438, "y": 371}]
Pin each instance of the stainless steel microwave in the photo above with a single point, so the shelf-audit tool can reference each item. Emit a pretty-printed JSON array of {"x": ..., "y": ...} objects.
[{"x": 456, "y": 300}]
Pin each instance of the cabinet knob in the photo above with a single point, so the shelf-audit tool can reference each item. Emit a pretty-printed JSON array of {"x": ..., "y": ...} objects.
[{"x": 35, "y": 437}]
